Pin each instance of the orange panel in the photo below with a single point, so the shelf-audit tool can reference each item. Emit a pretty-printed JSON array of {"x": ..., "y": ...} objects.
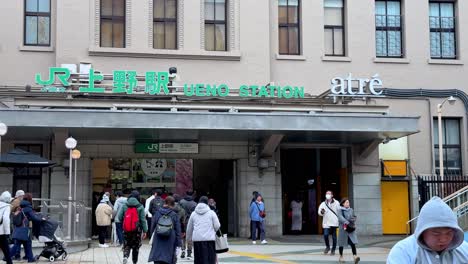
[{"x": 396, "y": 168}]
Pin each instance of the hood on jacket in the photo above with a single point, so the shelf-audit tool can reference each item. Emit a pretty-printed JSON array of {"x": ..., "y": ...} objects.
[
  {"x": 165, "y": 210},
  {"x": 5, "y": 197},
  {"x": 121, "y": 200},
  {"x": 436, "y": 213},
  {"x": 202, "y": 209},
  {"x": 133, "y": 202},
  {"x": 25, "y": 204},
  {"x": 188, "y": 198}
]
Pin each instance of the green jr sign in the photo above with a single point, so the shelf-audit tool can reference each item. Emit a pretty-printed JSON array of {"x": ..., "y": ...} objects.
[
  {"x": 146, "y": 148},
  {"x": 157, "y": 83}
]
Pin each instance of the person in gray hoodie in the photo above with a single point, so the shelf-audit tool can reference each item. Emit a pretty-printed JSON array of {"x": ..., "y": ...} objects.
[
  {"x": 201, "y": 229},
  {"x": 119, "y": 203},
  {"x": 5, "y": 226},
  {"x": 437, "y": 239}
]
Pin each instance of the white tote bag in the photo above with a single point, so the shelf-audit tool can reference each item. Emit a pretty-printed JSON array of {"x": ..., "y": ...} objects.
[{"x": 221, "y": 241}]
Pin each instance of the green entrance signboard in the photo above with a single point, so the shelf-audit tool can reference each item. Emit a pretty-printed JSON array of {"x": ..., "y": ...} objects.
[
  {"x": 146, "y": 148},
  {"x": 180, "y": 148},
  {"x": 157, "y": 83}
]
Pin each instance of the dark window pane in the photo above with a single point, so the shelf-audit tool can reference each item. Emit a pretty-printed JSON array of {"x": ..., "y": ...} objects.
[
  {"x": 31, "y": 30},
  {"x": 106, "y": 33},
  {"x": 293, "y": 40},
  {"x": 209, "y": 10},
  {"x": 118, "y": 33},
  {"x": 106, "y": 7},
  {"x": 220, "y": 12},
  {"x": 283, "y": 40},
  {"x": 209, "y": 37},
  {"x": 171, "y": 9},
  {"x": 118, "y": 8},
  {"x": 453, "y": 159},
  {"x": 43, "y": 33},
  {"x": 158, "y": 35},
  {"x": 44, "y": 6},
  {"x": 31, "y": 6},
  {"x": 158, "y": 9},
  {"x": 171, "y": 35},
  {"x": 220, "y": 37},
  {"x": 452, "y": 128},
  {"x": 293, "y": 14}
]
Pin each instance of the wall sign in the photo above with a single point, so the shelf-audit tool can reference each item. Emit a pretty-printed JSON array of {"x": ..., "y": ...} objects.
[
  {"x": 356, "y": 86},
  {"x": 176, "y": 148}
]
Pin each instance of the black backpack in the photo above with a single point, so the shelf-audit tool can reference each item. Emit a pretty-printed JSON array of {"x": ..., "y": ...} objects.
[
  {"x": 165, "y": 225},
  {"x": 18, "y": 218}
]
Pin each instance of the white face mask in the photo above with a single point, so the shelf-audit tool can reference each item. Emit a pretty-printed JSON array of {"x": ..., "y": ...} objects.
[{"x": 328, "y": 196}]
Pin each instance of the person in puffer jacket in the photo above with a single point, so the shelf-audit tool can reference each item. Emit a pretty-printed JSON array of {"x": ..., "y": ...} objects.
[
  {"x": 5, "y": 226},
  {"x": 201, "y": 229},
  {"x": 437, "y": 239}
]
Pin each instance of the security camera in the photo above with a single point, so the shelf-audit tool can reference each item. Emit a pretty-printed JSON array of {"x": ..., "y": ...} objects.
[{"x": 172, "y": 70}]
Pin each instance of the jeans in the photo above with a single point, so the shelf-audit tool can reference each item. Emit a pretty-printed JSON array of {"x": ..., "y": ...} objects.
[
  {"x": 119, "y": 231},
  {"x": 5, "y": 248},
  {"x": 326, "y": 232},
  {"x": 27, "y": 249},
  {"x": 102, "y": 234},
  {"x": 257, "y": 225}
]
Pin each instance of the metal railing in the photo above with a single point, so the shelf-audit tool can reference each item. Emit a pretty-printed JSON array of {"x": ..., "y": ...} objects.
[{"x": 58, "y": 210}]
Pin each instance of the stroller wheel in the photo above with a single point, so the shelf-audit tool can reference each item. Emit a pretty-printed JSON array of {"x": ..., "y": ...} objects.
[
  {"x": 51, "y": 258},
  {"x": 64, "y": 256}
]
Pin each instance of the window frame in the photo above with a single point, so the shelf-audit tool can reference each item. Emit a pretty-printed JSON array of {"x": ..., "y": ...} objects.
[
  {"x": 441, "y": 30},
  {"x": 333, "y": 27},
  {"x": 113, "y": 18},
  {"x": 37, "y": 14},
  {"x": 446, "y": 147},
  {"x": 164, "y": 20},
  {"x": 387, "y": 29},
  {"x": 291, "y": 25},
  {"x": 218, "y": 22}
]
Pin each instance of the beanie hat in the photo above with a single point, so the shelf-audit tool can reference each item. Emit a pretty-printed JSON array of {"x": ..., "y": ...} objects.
[{"x": 19, "y": 193}]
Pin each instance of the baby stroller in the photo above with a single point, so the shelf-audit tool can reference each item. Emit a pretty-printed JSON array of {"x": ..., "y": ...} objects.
[{"x": 54, "y": 247}]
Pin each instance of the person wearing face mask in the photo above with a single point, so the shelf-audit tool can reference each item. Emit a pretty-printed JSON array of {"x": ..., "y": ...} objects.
[{"x": 329, "y": 210}]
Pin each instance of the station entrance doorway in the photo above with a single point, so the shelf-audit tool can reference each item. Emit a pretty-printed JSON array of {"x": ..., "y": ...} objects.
[{"x": 306, "y": 175}]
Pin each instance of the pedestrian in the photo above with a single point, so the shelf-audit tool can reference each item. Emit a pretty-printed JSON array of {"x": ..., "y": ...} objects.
[
  {"x": 103, "y": 220},
  {"x": 166, "y": 232},
  {"x": 257, "y": 218},
  {"x": 14, "y": 208},
  {"x": 148, "y": 201},
  {"x": 157, "y": 202},
  {"x": 5, "y": 199},
  {"x": 296, "y": 207},
  {"x": 182, "y": 216},
  {"x": 132, "y": 216},
  {"x": 21, "y": 233},
  {"x": 201, "y": 229},
  {"x": 109, "y": 201},
  {"x": 121, "y": 200},
  {"x": 212, "y": 205},
  {"x": 329, "y": 210},
  {"x": 347, "y": 234},
  {"x": 189, "y": 205},
  {"x": 437, "y": 239}
]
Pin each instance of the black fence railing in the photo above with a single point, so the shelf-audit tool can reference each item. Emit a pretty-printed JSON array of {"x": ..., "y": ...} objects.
[{"x": 430, "y": 186}]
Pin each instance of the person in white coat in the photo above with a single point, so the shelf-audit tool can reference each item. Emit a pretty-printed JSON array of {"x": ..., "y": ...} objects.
[
  {"x": 201, "y": 229},
  {"x": 329, "y": 210},
  {"x": 437, "y": 238},
  {"x": 5, "y": 199}
]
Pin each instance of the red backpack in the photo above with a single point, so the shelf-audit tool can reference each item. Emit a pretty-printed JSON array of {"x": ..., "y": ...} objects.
[{"x": 130, "y": 221}]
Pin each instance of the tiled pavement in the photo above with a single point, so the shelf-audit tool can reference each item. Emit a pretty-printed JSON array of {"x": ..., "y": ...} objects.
[{"x": 242, "y": 253}]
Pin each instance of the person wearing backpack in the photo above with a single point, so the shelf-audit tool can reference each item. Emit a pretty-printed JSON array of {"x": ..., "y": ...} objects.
[
  {"x": 188, "y": 204},
  {"x": 165, "y": 230},
  {"x": 156, "y": 203},
  {"x": 5, "y": 226},
  {"x": 201, "y": 229},
  {"x": 132, "y": 215}
]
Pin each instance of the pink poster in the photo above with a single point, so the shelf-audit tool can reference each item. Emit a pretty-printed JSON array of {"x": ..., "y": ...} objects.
[{"x": 184, "y": 176}]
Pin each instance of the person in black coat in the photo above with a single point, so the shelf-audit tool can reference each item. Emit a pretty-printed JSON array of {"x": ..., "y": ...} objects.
[{"x": 165, "y": 249}]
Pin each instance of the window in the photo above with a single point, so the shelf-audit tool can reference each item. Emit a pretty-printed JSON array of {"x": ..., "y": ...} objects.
[
  {"x": 215, "y": 25},
  {"x": 442, "y": 26},
  {"x": 334, "y": 28},
  {"x": 28, "y": 179},
  {"x": 451, "y": 146},
  {"x": 37, "y": 22},
  {"x": 165, "y": 24},
  {"x": 388, "y": 29},
  {"x": 113, "y": 23},
  {"x": 289, "y": 31}
]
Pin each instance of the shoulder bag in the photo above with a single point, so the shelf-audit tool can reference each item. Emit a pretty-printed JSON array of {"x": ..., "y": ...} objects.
[
  {"x": 261, "y": 213},
  {"x": 351, "y": 227},
  {"x": 221, "y": 241},
  {"x": 22, "y": 232}
]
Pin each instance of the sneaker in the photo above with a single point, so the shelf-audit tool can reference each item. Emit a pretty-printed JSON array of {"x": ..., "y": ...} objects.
[
  {"x": 254, "y": 242},
  {"x": 125, "y": 260},
  {"x": 189, "y": 256},
  {"x": 182, "y": 256},
  {"x": 103, "y": 245},
  {"x": 326, "y": 250},
  {"x": 332, "y": 253},
  {"x": 264, "y": 242}
]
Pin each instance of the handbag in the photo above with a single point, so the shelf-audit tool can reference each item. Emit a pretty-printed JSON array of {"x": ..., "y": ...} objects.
[
  {"x": 351, "y": 227},
  {"x": 221, "y": 242},
  {"x": 261, "y": 213}
]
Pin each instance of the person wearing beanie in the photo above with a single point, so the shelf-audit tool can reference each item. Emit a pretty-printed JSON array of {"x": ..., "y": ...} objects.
[
  {"x": 103, "y": 220},
  {"x": 201, "y": 230},
  {"x": 437, "y": 238},
  {"x": 132, "y": 239},
  {"x": 15, "y": 203},
  {"x": 5, "y": 199}
]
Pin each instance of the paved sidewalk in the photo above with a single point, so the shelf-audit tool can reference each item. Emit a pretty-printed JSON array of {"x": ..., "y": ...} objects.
[{"x": 243, "y": 253}]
